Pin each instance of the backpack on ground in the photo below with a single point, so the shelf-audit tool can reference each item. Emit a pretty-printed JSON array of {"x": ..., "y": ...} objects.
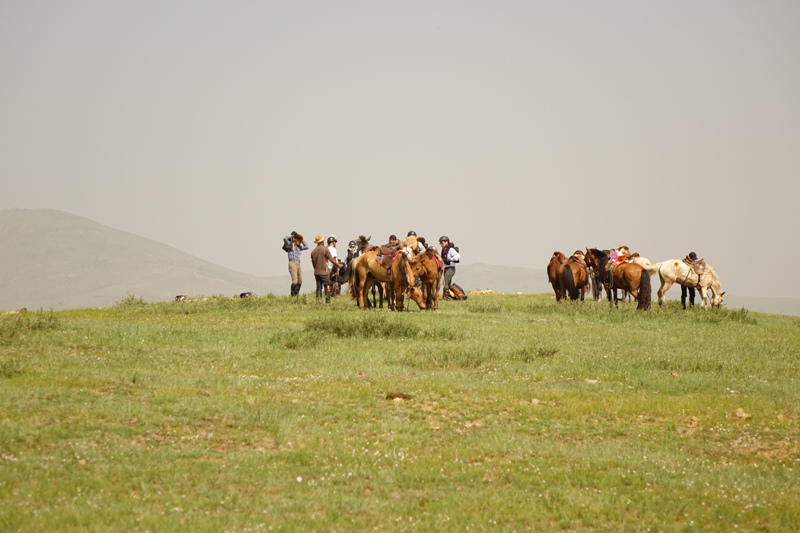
[{"x": 457, "y": 293}]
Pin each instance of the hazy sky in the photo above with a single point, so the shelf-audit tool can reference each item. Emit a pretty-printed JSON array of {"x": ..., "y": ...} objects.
[{"x": 516, "y": 128}]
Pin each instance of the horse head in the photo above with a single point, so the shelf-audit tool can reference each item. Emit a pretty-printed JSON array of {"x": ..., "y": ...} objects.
[
  {"x": 593, "y": 257},
  {"x": 363, "y": 242},
  {"x": 416, "y": 295},
  {"x": 716, "y": 300}
]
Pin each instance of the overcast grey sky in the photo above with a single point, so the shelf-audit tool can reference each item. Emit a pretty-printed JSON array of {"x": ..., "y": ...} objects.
[{"x": 516, "y": 128}]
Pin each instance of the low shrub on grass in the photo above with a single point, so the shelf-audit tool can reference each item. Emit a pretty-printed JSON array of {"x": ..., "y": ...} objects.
[{"x": 13, "y": 326}]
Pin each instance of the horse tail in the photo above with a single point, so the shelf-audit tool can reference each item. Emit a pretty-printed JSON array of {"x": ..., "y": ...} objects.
[
  {"x": 652, "y": 269},
  {"x": 353, "y": 279},
  {"x": 645, "y": 292},
  {"x": 569, "y": 283},
  {"x": 348, "y": 271}
]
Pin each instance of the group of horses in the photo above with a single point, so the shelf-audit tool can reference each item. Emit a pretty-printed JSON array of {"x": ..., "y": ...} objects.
[
  {"x": 393, "y": 272},
  {"x": 571, "y": 277}
]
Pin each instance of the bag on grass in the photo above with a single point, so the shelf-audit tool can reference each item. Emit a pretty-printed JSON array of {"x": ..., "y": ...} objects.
[{"x": 457, "y": 293}]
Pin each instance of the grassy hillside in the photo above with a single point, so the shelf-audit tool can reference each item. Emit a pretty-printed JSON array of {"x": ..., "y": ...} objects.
[{"x": 501, "y": 412}]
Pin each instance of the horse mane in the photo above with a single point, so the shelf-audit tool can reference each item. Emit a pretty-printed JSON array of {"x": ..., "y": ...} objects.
[
  {"x": 599, "y": 253},
  {"x": 713, "y": 273}
]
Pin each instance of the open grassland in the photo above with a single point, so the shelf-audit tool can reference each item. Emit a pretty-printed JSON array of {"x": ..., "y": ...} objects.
[{"x": 507, "y": 413}]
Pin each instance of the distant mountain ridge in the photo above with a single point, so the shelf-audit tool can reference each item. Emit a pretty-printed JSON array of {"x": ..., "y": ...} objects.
[{"x": 55, "y": 260}]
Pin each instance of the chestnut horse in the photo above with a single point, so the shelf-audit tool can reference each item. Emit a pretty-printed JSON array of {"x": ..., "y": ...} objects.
[
  {"x": 367, "y": 270},
  {"x": 555, "y": 269},
  {"x": 634, "y": 279},
  {"x": 575, "y": 276},
  {"x": 627, "y": 276},
  {"x": 362, "y": 245},
  {"x": 428, "y": 267},
  {"x": 676, "y": 271}
]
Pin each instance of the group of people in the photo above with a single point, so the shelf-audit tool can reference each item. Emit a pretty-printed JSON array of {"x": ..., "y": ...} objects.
[
  {"x": 623, "y": 253},
  {"x": 325, "y": 260}
]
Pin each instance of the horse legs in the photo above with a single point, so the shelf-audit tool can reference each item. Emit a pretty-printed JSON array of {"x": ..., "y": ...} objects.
[
  {"x": 662, "y": 291},
  {"x": 703, "y": 297},
  {"x": 391, "y": 296}
]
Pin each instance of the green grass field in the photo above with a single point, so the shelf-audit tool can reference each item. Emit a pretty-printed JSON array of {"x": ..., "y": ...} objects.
[{"x": 506, "y": 413}]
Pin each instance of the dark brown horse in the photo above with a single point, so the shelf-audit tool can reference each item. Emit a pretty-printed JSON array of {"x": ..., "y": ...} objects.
[
  {"x": 597, "y": 261},
  {"x": 555, "y": 269},
  {"x": 575, "y": 276},
  {"x": 627, "y": 276}
]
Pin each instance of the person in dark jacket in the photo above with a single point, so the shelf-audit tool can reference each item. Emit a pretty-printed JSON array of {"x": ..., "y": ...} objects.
[
  {"x": 320, "y": 256},
  {"x": 689, "y": 260}
]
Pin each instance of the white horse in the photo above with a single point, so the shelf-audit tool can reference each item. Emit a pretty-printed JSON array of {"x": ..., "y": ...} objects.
[{"x": 676, "y": 271}]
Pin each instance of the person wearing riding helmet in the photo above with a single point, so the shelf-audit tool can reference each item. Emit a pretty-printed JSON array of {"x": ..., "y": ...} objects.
[
  {"x": 352, "y": 251},
  {"x": 420, "y": 242},
  {"x": 332, "y": 249},
  {"x": 450, "y": 257},
  {"x": 333, "y": 270}
]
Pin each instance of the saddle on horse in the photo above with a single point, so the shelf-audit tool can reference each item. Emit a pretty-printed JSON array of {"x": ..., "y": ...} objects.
[
  {"x": 579, "y": 259},
  {"x": 386, "y": 256},
  {"x": 698, "y": 266},
  {"x": 621, "y": 260}
]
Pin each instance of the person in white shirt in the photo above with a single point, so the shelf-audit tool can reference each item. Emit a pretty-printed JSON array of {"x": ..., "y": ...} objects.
[{"x": 450, "y": 256}]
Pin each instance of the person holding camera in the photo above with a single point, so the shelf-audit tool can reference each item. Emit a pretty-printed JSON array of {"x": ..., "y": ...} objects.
[
  {"x": 450, "y": 257},
  {"x": 293, "y": 244}
]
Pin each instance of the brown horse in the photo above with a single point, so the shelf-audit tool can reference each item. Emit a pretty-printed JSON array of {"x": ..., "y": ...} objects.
[
  {"x": 575, "y": 276},
  {"x": 636, "y": 280},
  {"x": 555, "y": 269},
  {"x": 367, "y": 270},
  {"x": 627, "y": 276},
  {"x": 597, "y": 261},
  {"x": 362, "y": 245},
  {"x": 428, "y": 267}
]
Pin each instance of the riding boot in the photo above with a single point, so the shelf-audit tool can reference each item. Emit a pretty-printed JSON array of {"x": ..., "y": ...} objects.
[{"x": 292, "y": 290}]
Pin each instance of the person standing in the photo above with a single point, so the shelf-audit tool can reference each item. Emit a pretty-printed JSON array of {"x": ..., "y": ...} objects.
[
  {"x": 689, "y": 260},
  {"x": 293, "y": 244},
  {"x": 320, "y": 256},
  {"x": 333, "y": 270},
  {"x": 450, "y": 257}
]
